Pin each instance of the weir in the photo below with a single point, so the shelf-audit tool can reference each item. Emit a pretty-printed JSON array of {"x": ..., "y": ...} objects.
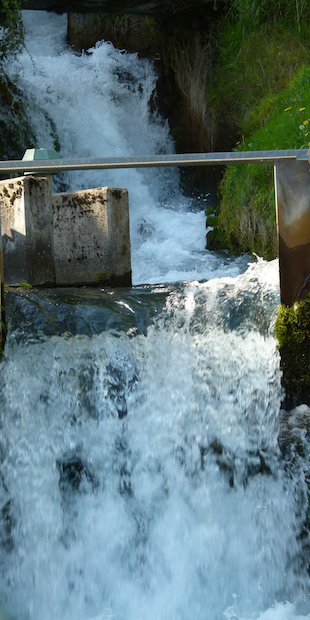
[
  {"x": 292, "y": 195},
  {"x": 140, "y": 471}
]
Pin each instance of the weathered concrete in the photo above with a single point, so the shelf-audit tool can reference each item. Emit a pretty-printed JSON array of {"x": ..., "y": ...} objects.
[
  {"x": 121, "y": 7},
  {"x": 292, "y": 188},
  {"x": 65, "y": 239},
  {"x": 27, "y": 231},
  {"x": 91, "y": 237}
]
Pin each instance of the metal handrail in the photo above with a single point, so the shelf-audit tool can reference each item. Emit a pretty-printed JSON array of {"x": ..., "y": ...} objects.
[{"x": 50, "y": 166}]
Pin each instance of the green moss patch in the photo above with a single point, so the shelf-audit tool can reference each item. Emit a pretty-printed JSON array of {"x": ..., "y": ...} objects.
[
  {"x": 292, "y": 329},
  {"x": 246, "y": 212}
]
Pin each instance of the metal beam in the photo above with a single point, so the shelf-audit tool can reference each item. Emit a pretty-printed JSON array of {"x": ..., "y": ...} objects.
[{"x": 189, "y": 159}]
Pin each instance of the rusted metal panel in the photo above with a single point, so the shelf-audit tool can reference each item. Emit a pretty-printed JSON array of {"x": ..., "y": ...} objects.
[{"x": 292, "y": 189}]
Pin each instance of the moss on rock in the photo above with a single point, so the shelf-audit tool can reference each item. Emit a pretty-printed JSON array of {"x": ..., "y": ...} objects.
[
  {"x": 292, "y": 329},
  {"x": 16, "y": 134}
]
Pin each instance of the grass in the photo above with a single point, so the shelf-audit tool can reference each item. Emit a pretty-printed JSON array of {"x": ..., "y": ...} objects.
[
  {"x": 292, "y": 329},
  {"x": 269, "y": 101}
]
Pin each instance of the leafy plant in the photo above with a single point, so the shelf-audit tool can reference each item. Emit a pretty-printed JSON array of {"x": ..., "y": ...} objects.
[
  {"x": 292, "y": 329},
  {"x": 247, "y": 207},
  {"x": 264, "y": 48},
  {"x": 256, "y": 12},
  {"x": 11, "y": 29}
]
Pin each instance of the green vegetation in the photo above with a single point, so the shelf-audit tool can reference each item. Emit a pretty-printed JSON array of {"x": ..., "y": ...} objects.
[
  {"x": 12, "y": 29},
  {"x": 262, "y": 94},
  {"x": 15, "y": 132},
  {"x": 292, "y": 330}
]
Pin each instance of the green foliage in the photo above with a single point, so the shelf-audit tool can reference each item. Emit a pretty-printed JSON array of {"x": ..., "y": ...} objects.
[
  {"x": 253, "y": 64},
  {"x": 247, "y": 207},
  {"x": 25, "y": 285},
  {"x": 262, "y": 89},
  {"x": 292, "y": 329},
  {"x": 247, "y": 220},
  {"x": 11, "y": 29},
  {"x": 281, "y": 120}
]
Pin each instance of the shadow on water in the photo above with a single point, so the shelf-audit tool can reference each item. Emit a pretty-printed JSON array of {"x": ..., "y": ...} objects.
[{"x": 37, "y": 314}]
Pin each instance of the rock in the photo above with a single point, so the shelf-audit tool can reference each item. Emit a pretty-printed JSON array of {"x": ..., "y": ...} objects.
[{"x": 74, "y": 474}]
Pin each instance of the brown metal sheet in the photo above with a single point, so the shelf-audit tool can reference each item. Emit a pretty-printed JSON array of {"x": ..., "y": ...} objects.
[{"x": 292, "y": 188}]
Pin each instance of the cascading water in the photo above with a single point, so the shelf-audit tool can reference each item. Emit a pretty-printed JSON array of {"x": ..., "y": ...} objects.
[
  {"x": 141, "y": 475},
  {"x": 97, "y": 105}
]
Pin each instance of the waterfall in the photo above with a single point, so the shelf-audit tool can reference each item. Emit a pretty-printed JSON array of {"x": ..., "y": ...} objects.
[
  {"x": 97, "y": 105},
  {"x": 141, "y": 476}
]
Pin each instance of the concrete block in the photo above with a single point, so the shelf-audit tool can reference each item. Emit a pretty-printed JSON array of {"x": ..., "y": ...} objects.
[
  {"x": 91, "y": 237},
  {"x": 27, "y": 231}
]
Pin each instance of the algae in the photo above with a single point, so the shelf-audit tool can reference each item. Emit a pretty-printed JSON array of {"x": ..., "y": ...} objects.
[{"x": 292, "y": 330}]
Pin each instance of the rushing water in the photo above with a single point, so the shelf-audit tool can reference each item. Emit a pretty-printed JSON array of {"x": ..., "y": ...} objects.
[{"x": 141, "y": 475}]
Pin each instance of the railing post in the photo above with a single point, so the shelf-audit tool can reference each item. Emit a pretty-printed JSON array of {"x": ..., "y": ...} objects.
[{"x": 292, "y": 189}]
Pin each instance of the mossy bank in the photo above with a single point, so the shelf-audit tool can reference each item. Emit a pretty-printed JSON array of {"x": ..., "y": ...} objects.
[
  {"x": 264, "y": 82},
  {"x": 292, "y": 329}
]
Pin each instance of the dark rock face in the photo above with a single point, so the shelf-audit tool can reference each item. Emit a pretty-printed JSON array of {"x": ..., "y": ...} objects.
[
  {"x": 122, "y": 7},
  {"x": 74, "y": 475},
  {"x": 15, "y": 132},
  {"x": 135, "y": 33}
]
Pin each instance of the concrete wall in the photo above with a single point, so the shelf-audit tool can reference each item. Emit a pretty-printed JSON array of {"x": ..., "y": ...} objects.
[
  {"x": 27, "y": 231},
  {"x": 64, "y": 239},
  {"x": 91, "y": 237}
]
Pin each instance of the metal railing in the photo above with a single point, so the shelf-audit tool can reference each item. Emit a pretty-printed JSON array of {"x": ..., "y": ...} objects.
[{"x": 50, "y": 166}]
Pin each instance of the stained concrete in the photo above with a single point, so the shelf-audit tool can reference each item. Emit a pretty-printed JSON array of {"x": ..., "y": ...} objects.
[
  {"x": 27, "y": 231},
  {"x": 64, "y": 239},
  {"x": 91, "y": 237}
]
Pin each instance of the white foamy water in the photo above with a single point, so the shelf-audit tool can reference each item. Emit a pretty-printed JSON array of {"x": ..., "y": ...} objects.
[{"x": 140, "y": 473}]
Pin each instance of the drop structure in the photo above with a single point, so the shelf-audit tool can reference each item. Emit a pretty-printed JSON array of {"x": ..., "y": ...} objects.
[{"x": 147, "y": 471}]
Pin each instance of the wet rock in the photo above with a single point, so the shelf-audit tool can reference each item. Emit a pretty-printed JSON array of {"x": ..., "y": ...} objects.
[
  {"x": 117, "y": 384},
  {"x": 87, "y": 393},
  {"x": 7, "y": 518},
  {"x": 294, "y": 442},
  {"x": 294, "y": 433},
  {"x": 143, "y": 7},
  {"x": 7, "y": 523},
  {"x": 237, "y": 469},
  {"x": 15, "y": 132},
  {"x": 75, "y": 475}
]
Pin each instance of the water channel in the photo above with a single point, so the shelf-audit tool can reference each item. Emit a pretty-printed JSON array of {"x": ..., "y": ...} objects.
[{"x": 147, "y": 471}]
